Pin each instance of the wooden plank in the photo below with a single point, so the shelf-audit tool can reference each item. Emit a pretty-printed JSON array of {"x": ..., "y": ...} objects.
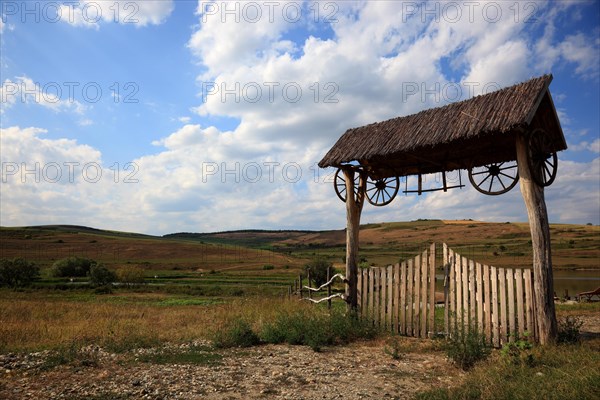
[
  {"x": 403, "y": 296},
  {"x": 529, "y": 303},
  {"x": 479, "y": 296},
  {"x": 372, "y": 295},
  {"x": 459, "y": 286},
  {"x": 383, "y": 297},
  {"x": 424, "y": 288},
  {"x": 417, "y": 296},
  {"x": 510, "y": 285},
  {"x": 390, "y": 312},
  {"x": 502, "y": 292},
  {"x": 396, "y": 301},
  {"x": 431, "y": 328},
  {"x": 409, "y": 298},
  {"x": 446, "y": 287},
  {"x": 465, "y": 290},
  {"x": 495, "y": 321},
  {"x": 472, "y": 297},
  {"x": 390, "y": 295},
  {"x": 365, "y": 285},
  {"x": 359, "y": 289},
  {"x": 452, "y": 299},
  {"x": 520, "y": 302},
  {"x": 376, "y": 295},
  {"x": 487, "y": 303}
]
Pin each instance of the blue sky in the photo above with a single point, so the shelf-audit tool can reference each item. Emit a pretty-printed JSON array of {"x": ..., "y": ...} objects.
[{"x": 199, "y": 124}]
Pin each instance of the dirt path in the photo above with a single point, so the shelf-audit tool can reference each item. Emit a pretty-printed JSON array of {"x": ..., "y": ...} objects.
[{"x": 357, "y": 371}]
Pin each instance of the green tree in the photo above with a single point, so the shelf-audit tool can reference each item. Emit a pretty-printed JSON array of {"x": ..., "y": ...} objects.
[
  {"x": 17, "y": 272},
  {"x": 101, "y": 276},
  {"x": 72, "y": 267},
  {"x": 318, "y": 270}
]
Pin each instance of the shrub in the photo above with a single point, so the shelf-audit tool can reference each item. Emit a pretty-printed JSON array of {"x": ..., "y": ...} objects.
[
  {"x": 268, "y": 267},
  {"x": 466, "y": 346},
  {"x": 519, "y": 352},
  {"x": 130, "y": 275},
  {"x": 569, "y": 329},
  {"x": 71, "y": 267},
  {"x": 238, "y": 333},
  {"x": 17, "y": 272},
  {"x": 101, "y": 276},
  {"x": 318, "y": 270}
]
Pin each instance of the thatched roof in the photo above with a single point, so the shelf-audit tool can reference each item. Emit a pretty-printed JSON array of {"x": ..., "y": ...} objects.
[{"x": 460, "y": 135}]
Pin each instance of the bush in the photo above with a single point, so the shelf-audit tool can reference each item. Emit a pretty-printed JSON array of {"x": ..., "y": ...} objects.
[
  {"x": 519, "y": 352},
  {"x": 101, "y": 276},
  {"x": 238, "y": 333},
  {"x": 130, "y": 275},
  {"x": 466, "y": 346},
  {"x": 318, "y": 270},
  {"x": 569, "y": 329},
  {"x": 71, "y": 267},
  {"x": 268, "y": 267},
  {"x": 316, "y": 329},
  {"x": 17, "y": 272}
]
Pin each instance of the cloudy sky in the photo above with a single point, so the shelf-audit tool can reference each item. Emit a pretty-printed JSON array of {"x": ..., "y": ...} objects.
[{"x": 167, "y": 116}]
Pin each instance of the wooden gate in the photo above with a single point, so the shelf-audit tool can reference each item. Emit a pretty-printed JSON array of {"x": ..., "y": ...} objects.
[{"x": 402, "y": 298}]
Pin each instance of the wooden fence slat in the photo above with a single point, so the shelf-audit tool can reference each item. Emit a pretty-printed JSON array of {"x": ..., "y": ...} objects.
[
  {"x": 472, "y": 299},
  {"x": 495, "y": 327},
  {"x": 372, "y": 295},
  {"x": 446, "y": 287},
  {"x": 510, "y": 280},
  {"x": 424, "y": 289},
  {"x": 452, "y": 300},
  {"x": 396, "y": 302},
  {"x": 529, "y": 302},
  {"x": 359, "y": 289},
  {"x": 487, "y": 303},
  {"x": 417, "y": 297},
  {"x": 403, "y": 297},
  {"x": 431, "y": 321},
  {"x": 376, "y": 295},
  {"x": 479, "y": 296},
  {"x": 365, "y": 297},
  {"x": 502, "y": 289},
  {"x": 459, "y": 286},
  {"x": 409, "y": 299},
  {"x": 390, "y": 301},
  {"x": 520, "y": 301},
  {"x": 465, "y": 290},
  {"x": 382, "y": 296}
]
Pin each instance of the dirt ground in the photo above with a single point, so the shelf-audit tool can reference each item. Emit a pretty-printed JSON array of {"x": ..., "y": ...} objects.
[{"x": 363, "y": 370}]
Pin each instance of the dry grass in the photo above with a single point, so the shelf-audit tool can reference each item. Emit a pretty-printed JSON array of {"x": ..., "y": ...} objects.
[{"x": 34, "y": 321}]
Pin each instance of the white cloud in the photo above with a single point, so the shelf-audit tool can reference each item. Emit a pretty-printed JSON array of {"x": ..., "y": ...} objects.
[
  {"x": 594, "y": 146},
  {"x": 90, "y": 13},
  {"x": 24, "y": 90}
]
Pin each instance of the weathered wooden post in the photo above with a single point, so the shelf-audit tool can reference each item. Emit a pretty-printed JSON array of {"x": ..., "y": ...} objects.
[
  {"x": 533, "y": 195},
  {"x": 354, "y": 206}
]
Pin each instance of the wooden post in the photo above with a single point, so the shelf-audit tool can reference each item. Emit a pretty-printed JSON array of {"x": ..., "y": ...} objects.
[
  {"x": 353, "y": 211},
  {"x": 543, "y": 283}
]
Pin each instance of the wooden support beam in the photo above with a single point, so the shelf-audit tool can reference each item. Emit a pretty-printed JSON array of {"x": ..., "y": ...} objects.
[
  {"x": 354, "y": 206},
  {"x": 543, "y": 283}
]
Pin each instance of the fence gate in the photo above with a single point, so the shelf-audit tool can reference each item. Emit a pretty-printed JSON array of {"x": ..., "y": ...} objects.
[{"x": 402, "y": 298}]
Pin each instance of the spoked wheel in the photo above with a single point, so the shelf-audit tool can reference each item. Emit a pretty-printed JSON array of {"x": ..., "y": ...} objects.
[
  {"x": 543, "y": 163},
  {"x": 382, "y": 191},
  {"x": 339, "y": 184},
  {"x": 496, "y": 178}
]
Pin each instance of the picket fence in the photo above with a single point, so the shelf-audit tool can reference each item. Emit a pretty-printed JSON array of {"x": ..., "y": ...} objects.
[{"x": 402, "y": 298}]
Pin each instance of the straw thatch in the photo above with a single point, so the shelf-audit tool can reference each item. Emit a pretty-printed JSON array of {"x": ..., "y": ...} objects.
[{"x": 461, "y": 135}]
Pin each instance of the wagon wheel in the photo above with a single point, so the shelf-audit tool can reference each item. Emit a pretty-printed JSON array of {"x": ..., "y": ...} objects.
[
  {"x": 543, "y": 163},
  {"x": 339, "y": 184},
  {"x": 494, "y": 179},
  {"x": 382, "y": 191}
]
